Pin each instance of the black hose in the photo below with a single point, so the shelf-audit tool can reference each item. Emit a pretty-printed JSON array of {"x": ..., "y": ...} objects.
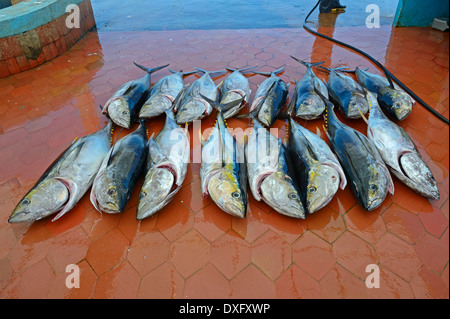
[{"x": 388, "y": 74}]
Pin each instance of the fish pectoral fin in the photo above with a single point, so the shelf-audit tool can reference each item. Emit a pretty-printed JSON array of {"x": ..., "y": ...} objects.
[
  {"x": 94, "y": 202},
  {"x": 318, "y": 133},
  {"x": 391, "y": 188},
  {"x": 342, "y": 177},
  {"x": 363, "y": 116},
  {"x": 326, "y": 132},
  {"x": 73, "y": 190}
]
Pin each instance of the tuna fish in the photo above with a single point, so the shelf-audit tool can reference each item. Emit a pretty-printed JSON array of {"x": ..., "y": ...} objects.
[
  {"x": 192, "y": 106},
  {"x": 306, "y": 103},
  {"x": 163, "y": 94},
  {"x": 223, "y": 171},
  {"x": 119, "y": 172},
  {"x": 270, "y": 173},
  {"x": 399, "y": 152},
  {"x": 123, "y": 107},
  {"x": 346, "y": 93},
  {"x": 270, "y": 98},
  {"x": 235, "y": 87},
  {"x": 64, "y": 183},
  {"x": 318, "y": 170},
  {"x": 393, "y": 100},
  {"x": 166, "y": 167},
  {"x": 365, "y": 169}
]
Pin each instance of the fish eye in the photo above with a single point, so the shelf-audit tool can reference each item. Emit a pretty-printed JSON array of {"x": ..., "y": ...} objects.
[
  {"x": 293, "y": 196},
  {"x": 373, "y": 187},
  {"x": 26, "y": 201},
  {"x": 111, "y": 191},
  {"x": 124, "y": 112},
  {"x": 142, "y": 195},
  {"x": 312, "y": 189},
  {"x": 236, "y": 195}
]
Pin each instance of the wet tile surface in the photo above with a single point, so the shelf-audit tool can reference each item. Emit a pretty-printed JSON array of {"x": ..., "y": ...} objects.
[{"x": 192, "y": 249}]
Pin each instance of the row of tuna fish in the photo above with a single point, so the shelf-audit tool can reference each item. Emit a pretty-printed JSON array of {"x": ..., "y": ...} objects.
[
  {"x": 295, "y": 178},
  {"x": 137, "y": 99}
]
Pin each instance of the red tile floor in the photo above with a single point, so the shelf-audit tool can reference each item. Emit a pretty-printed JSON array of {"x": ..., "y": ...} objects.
[{"x": 192, "y": 249}]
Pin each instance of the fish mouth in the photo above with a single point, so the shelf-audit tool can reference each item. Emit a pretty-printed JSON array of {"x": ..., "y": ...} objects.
[
  {"x": 22, "y": 217},
  {"x": 110, "y": 208},
  {"x": 234, "y": 210},
  {"x": 373, "y": 204},
  {"x": 272, "y": 187},
  {"x": 402, "y": 113}
]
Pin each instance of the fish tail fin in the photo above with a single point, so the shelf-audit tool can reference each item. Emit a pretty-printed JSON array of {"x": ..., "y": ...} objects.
[
  {"x": 241, "y": 70},
  {"x": 276, "y": 72},
  {"x": 307, "y": 64},
  {"x": 222, "y": 107},
  {"x": 339, "y": 68},
  {"x": 150, "y": 70},
  {"x": 354, "y": 71},
  {"x": 211, "y": 72},
  {"x": 183, "y": 73}
]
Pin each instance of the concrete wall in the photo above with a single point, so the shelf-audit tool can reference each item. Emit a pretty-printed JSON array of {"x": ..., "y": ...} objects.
[
  {"x": 420, "y": 13},
  {"x": 29, "y": 38}
]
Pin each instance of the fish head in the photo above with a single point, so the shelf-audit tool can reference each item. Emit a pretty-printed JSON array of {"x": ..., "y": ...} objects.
[
  {"x": 279, "y": 192},
  {"x": 374, "y": 192},
  {"x": 155, "y": 192},
  {"x": 357, "y": 103},
  {"x": 110, "y": 195},
  {"x": 267, "y": 113},
  {"x": 232, "y": 95},
  {"x": 155, "y": 105},
  {"x": 46, "y": 198},
  {"x": 119, "y": 112},
  {"x": 224, "y": 189},
  {"x": 419, "y": 174},
  {"x": 191, "y": 110},
  {"x": 311, "y": 107},
  {"x": 323, "y": 183},
  {"x": 402, "y": 105}
]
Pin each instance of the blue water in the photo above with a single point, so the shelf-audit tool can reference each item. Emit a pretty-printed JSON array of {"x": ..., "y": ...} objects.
[{"x": 229, "y": 14}]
